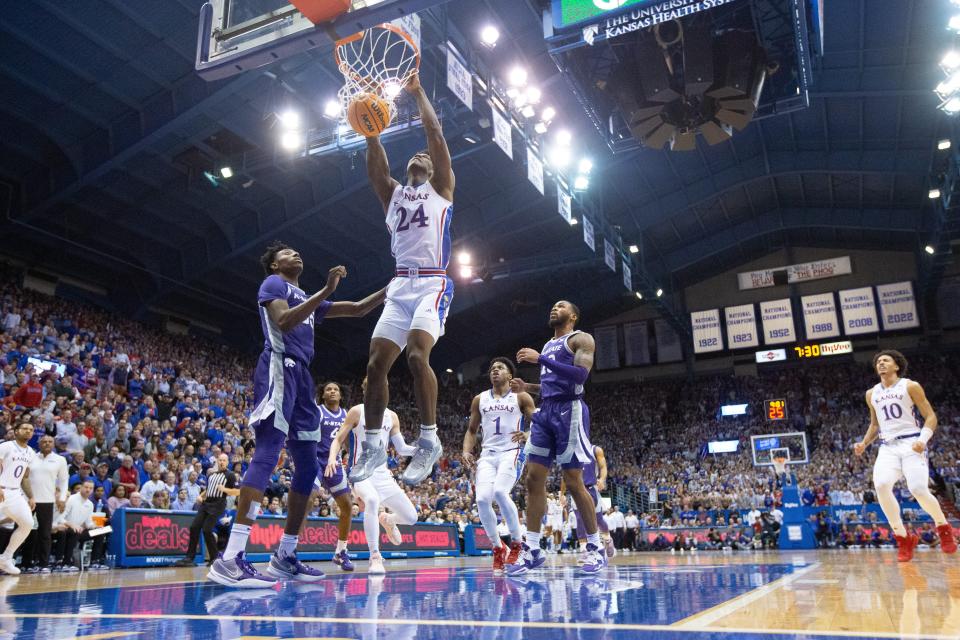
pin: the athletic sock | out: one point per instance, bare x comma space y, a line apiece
237, 542
341, 546
371, 437
594, 539
428, 432
533, 540
288, 545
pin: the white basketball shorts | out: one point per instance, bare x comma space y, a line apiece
415, 303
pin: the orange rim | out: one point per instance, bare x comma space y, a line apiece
359, 34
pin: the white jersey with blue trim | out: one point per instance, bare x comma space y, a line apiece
419, 222
357, 436
500, 420
896, 412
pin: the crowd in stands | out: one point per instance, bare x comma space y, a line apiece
140, 416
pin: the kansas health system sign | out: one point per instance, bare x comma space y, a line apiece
617, 17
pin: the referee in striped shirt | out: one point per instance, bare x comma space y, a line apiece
220, 484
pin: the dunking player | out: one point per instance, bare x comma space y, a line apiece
285, 410
499, 412
16, 497
895, 403
418, 217
332, 417
380, 489
561, 432
595, 480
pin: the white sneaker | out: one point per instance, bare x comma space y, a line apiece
389, 523
376, 565
7, 566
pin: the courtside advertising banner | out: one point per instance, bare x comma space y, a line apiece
742, 326
858, 311
777, 319
154, 538
820, 316
707, 335
898, 306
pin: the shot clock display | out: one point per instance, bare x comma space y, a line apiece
776, 409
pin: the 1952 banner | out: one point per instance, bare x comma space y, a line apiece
820, 316
858, 311
148, 538
777, 319
707, 336
741, 326
898, 306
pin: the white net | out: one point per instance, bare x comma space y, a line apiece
379, 60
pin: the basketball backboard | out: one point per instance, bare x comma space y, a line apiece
237, 35
792, 446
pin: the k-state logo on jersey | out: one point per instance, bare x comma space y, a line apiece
289, 362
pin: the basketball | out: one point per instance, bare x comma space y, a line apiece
368, 114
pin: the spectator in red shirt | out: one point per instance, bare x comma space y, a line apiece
30, 395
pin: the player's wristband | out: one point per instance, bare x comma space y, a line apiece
925, 434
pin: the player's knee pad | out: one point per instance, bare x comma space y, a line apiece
306, 466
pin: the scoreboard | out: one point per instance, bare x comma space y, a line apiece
775, 409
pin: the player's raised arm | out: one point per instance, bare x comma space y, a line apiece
359, 308
378, 171
287, 317
872, 430
470, 437
443, 180
919, 398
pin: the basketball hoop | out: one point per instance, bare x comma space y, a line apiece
377, 61
780, 465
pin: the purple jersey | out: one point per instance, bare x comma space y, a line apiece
330, 424
552, 385
298, 342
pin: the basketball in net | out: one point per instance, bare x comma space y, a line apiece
375, 64
368, 114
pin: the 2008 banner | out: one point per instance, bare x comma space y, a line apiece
150, 538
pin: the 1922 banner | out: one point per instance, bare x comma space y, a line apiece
707, 336
777, 319
820, 316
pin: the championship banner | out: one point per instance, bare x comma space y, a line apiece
608, 347
777, 319
144, 537
609, 255
636, 339
459, 79
804, 272
535, 169
564, 204
588, 234
706, 331
741, 326
858, 311
502, 132
898, 306
669, 348
627, 275
820, 316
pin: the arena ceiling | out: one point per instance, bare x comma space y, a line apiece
106, 129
